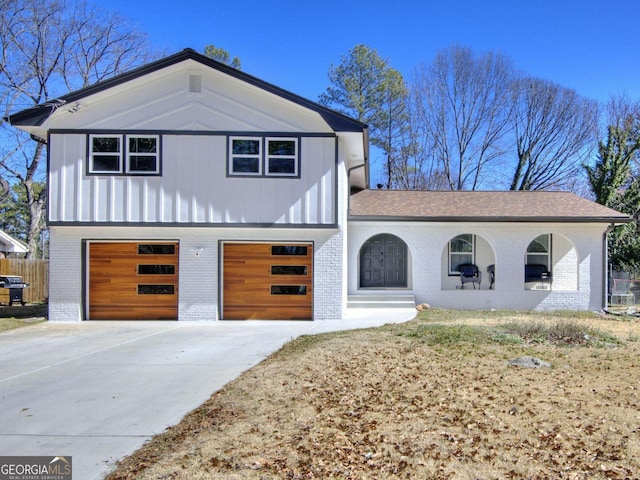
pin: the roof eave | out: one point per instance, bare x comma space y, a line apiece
456, 219
36, 116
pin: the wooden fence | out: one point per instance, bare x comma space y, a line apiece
35, 272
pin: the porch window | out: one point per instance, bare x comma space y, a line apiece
537, 271
539, 251
461, 251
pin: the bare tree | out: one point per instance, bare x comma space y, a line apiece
414, 165
48, 48
464, 107
102, 44
553, 129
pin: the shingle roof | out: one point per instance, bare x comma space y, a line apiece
479, 206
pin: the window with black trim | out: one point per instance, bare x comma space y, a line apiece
282, 158
245, 156
264, 156
142, 154
539, 251
105, 154
124, 154
461, 251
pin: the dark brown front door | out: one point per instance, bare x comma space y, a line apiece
383, 262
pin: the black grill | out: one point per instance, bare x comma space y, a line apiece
15, 285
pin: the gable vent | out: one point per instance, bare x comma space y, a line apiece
195, 83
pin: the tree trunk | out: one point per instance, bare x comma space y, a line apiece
35, 202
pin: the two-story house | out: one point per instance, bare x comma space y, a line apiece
189, 190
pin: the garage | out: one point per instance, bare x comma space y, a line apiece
132, 280
267, 281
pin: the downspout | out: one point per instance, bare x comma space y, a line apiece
605, 266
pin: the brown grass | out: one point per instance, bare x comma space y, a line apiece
432, 399
10, 323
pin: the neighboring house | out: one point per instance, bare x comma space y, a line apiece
10, 246
189, 190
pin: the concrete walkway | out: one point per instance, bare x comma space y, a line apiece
96, 391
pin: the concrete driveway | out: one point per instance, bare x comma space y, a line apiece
96, 391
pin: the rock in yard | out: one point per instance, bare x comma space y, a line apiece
529, 362
423, 306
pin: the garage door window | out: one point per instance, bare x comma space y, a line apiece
288, 270
297, 250
156, 249
156, 290
156, 269
288, 289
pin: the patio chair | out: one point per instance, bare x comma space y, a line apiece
491, 270
470, 273
534, 272
620, 289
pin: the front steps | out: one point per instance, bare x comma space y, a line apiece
381, 301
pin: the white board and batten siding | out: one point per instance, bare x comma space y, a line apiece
194, 187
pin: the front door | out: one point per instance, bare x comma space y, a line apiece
383, 262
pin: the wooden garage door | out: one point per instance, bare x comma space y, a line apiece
133, 281
267, 281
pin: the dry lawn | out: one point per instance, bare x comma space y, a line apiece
431, 399
21, 315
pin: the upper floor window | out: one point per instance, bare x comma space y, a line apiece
124, 154
105, 154
246, 156
282, 158
263, 156
142, 154
461, 251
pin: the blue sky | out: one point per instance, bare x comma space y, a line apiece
592, 46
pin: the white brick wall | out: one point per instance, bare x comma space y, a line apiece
65, 276
199, 266
427, 242
336, 265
